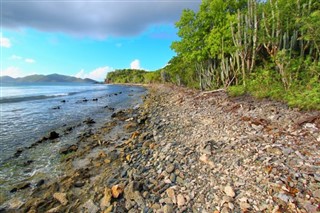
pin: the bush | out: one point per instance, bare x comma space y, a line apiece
236, 90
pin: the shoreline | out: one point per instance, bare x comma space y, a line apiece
185, 151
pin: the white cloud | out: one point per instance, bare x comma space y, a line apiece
4, 42
135, 64
29, 60
15, 57
12, 71
98, 74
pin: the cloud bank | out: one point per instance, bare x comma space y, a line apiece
98, 19
98, 74
4, 42
13, 72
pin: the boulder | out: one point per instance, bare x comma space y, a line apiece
53, 135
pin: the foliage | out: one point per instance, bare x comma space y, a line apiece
133, 76
269, 49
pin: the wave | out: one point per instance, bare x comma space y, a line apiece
40, 97
31, 98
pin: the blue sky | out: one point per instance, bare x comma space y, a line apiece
107, 36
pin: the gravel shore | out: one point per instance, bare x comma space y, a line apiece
190, 151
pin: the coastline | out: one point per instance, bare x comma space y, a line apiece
185, 151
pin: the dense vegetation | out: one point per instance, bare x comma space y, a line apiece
133, 76
265, 48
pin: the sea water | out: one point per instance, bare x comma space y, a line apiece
30, 111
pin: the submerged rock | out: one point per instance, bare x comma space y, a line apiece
53, 135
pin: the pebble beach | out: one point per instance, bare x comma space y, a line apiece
184, 150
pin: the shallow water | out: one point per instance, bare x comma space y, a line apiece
27, 114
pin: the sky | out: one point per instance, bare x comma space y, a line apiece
88, 38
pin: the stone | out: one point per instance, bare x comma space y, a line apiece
171, 194
156, 206
244, 206
53, 135
170, 168
224, 210
90, 206
172, 177
116, 191
89, 121
311, 208
105, 201
108, 210
79, 184
229, 191
204, 158
68, 149
131, 192
54, 210
168, 209
180, 200
316, 193
61, 197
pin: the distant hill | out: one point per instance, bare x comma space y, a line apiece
46, 79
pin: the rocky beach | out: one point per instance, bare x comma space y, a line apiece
184, 150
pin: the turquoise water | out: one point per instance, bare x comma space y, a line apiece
29, 112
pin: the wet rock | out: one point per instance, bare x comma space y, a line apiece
95, 99
63, 101
18, 152
118, 114
53, 135
40, 182
28, 162
68, 149
56, 107
21, 186
89, 121
61, 197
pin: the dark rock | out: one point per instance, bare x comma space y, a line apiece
18, 152
63, 101
27, 163
40, 182
84, 100
95, 99
89, 121
20, 187
68, 149
53, 135
118, 114
79, 184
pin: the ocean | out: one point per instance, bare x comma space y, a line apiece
29, 112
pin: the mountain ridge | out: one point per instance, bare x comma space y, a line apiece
52, 78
